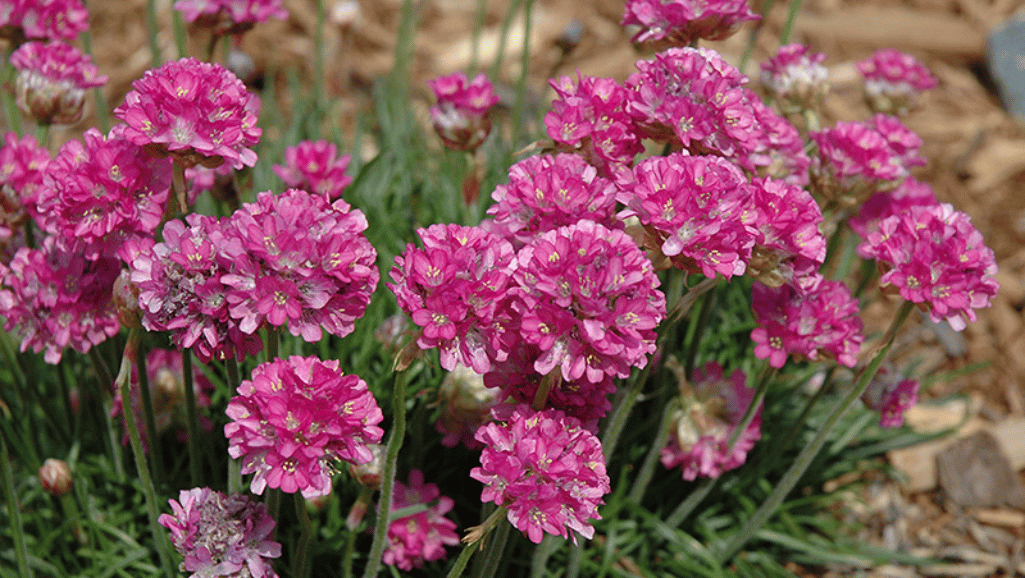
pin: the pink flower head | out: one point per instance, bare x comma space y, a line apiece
165, 377
788, 243
222, 535
589, 117
589, 299
910, 193
461, 115
692, 208
933, 256
52, 79
101, 191
465, 405
796, 76
22, 162
682, 22
297, 259
453, 289
778, 152
546, 470
180, 287
818, 319
547, 192
218, 181
315, 166
413, 540
295, 418
230, 16
200, 113
42, 20
892, 396
59, 299
893, 80
710, 411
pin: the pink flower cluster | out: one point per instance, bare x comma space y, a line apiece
894, 80
795, 76
892, 396
422, 537
911, 193
709, 415
200, 113
788, 244
819, 319
452, 288
230, 16
461, 115
52, 79
101, 191
295, 418
546, 470
682, 22
42, 19
315, 166
222, 535
22, 162
590, 118
933, 256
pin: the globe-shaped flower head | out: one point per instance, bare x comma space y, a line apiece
52, 79
22, 20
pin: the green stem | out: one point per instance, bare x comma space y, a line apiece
519, 107
543, 551
795, 7
273, 501
191, 422
696, 328
547, 383
398, 432
301, 564
102, 111
478, 23
462, 561
617, 422
648, 469
791, 435
687, 506
12, 114
273, 343
181, 40
752, 36
147, 414
319, 97
576, 556
124, 381
503, 38
13, 511
804, 459
151, 29
495, 549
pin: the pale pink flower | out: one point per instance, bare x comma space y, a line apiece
230, 16
316, 167
795, 76
892, 395
894, 80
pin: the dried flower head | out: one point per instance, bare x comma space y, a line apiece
465, 404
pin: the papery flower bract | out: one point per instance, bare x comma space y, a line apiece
295, 418
298, 259
894, 80
934, 257
588, 298
230, 16
795, 76
816, 319
52, 80
452, 288
546, 470
422, 537
547, 192
460, 116
892, 395
465, 405
222, 535
681, 22
42, 20
692, 209
200, 113
711, 410
788, 243
101, 191
316, 167
22, 162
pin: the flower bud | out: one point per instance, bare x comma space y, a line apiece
465, 406
55, 475
369, 474
126, 301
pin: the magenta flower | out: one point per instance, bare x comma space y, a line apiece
892, 396
589, 117
101, 191
933, 256
222, 535
295, 418
22, 162
42, 20
894, 80
692, 208
546, 470
818, 319
589, 299
59, 299
298, 260
461, 115
547, 192
218, 181
453, 289
413, 540
795, 76
52, 80
682, 22
197, 112
911, 193
316, 167
230, 16
788, 244
710, 411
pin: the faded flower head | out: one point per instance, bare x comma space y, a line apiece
316, 167
711, 408
682, 22
222, 535
796, 77
197, 112
230, 16
42, 20
422, 537
295, 419
546, 470
461, 115
52, 80
894, 80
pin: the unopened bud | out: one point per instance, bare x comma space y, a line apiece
369, 474
126, 301
55, 475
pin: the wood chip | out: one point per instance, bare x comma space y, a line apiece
1000, 517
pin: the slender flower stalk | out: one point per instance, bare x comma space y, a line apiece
195, 450
301, 564
148, 415
13, 511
